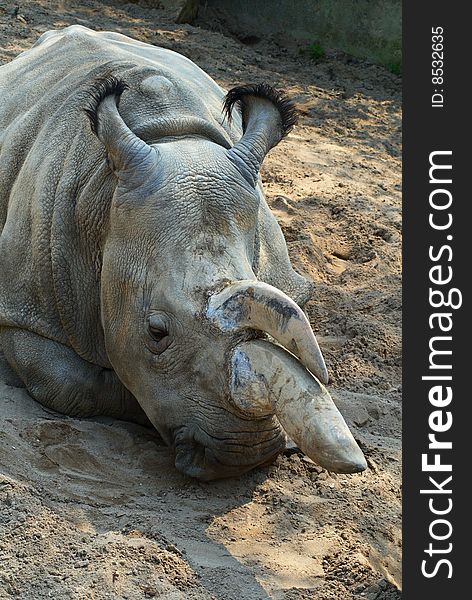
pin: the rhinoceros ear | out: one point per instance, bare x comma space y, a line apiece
268, 116
126, 151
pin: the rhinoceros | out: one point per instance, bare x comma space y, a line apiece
142, 273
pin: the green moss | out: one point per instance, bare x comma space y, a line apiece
315, 51
394, 67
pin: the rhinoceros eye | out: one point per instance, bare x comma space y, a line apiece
159, 334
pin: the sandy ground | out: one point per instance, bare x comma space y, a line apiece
95, 508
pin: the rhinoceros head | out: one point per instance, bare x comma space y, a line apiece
222, 364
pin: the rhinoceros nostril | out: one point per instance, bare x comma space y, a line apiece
192, 459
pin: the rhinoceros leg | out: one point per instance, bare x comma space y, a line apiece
7, 374
58, 378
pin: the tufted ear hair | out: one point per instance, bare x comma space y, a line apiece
126, 151
268, 116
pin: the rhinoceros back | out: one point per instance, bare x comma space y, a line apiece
55, 186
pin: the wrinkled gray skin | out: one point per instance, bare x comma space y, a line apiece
95, 248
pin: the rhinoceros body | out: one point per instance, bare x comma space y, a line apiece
139, 258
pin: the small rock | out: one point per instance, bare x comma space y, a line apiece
372, 592
283, 203
362, 417
173, 549
374, 412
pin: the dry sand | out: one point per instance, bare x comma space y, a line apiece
95, 508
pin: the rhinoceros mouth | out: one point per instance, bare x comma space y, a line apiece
203, 456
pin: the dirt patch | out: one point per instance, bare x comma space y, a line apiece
95, 509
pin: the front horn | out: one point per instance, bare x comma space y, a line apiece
266, 379
258, 305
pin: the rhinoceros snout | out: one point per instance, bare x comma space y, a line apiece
202, 456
